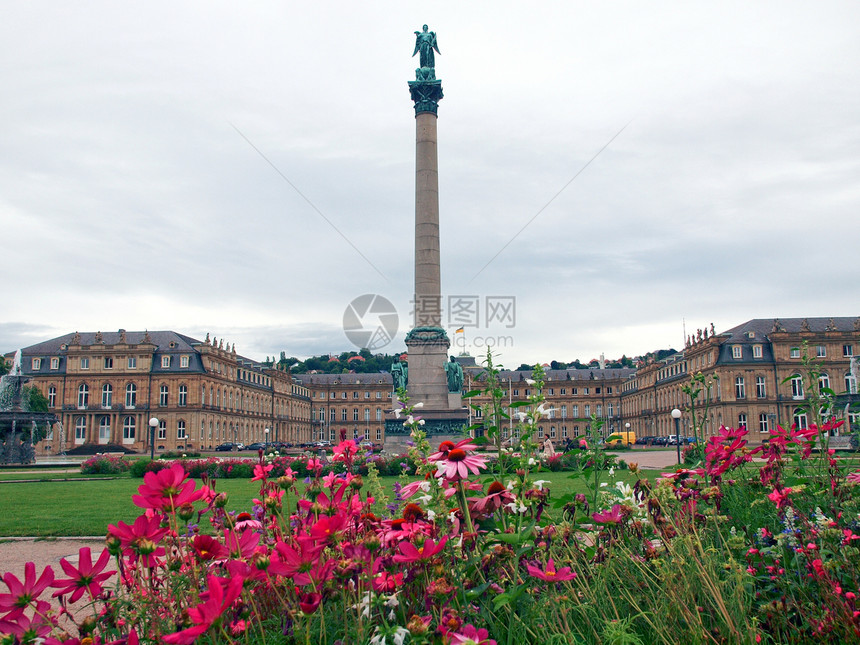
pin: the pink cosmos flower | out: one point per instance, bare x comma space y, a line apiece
779, 497
309, 602
86, 577
24, 594
551, 574
469, 635
167, 490
408, 552
387, 582
140, 540
207, 548
295, 562
261, 472
853, 478
217, 599
615, 515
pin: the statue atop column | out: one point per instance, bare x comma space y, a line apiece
399, 374
425, 43
455, 375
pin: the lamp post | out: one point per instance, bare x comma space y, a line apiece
153, 424
267, 439
676, 415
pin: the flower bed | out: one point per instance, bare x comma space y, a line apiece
719, 553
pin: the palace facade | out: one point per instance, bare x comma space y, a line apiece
105, 388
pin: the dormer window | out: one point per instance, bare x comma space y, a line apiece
737, 351
165, 362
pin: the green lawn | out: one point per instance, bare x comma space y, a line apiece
71, 508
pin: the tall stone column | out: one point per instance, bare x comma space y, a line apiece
427, 343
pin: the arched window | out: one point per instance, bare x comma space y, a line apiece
163, 396
107, 395
80, 429
162, 430
850, 383
800, 419
183, 395
104, 429
52, 397
128, 428
130, 397
180, 429
83, 396
797, 386
824, 382
740, 388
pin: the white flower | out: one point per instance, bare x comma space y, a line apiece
425, 486
521, 416
612, 471
540, 482
392, 601
431, 514
516, 507
420, 404
532, 462
410, 420
511, 484
397, 412
420, 422
400, 635
423, 499
602, 484
530, 381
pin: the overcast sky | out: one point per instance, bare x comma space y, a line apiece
247, 169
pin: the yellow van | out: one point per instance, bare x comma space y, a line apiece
621, 439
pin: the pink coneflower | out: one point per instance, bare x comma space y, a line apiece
245, 520
497, 496
551, 574
447, 446
409, 553
458, 464
469, 635
86, 577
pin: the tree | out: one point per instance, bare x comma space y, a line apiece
35, 400
4, 366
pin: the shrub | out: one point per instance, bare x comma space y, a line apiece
105, 465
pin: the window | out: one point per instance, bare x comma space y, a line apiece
564, 432
574, 410
847, 350
55, 363
165, 362
379, 395
132, 362
821, 351
379, 434
737, 352
355, 414
163, 395
333, 414
180, 429
609, 410
757, 351
343, 395
540, 432
823, 382
85, 363
343, 415
83, 396
332, 395
162, 430
552, 432
563, 391
588, 410
130, 395
355, 395
108, 362
585, 390
367, 414
740, 388
36, 363
794, 352
797, 386
52, 397
563, 411
850, 383
184, 361
516, 392
107, 395
800, 420
742, 420
128, 429
104, 429
183, 395
80, 429
763, 423
760, 388
599, 411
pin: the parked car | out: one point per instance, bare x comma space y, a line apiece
660, 441
257, 445
227, 447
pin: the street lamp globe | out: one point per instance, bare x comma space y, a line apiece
153, 424
676, 414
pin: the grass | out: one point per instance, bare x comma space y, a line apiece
53, 507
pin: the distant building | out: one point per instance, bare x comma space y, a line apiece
105, 387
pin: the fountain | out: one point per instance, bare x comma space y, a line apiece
18, 424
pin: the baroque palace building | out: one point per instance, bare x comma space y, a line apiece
106, 387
